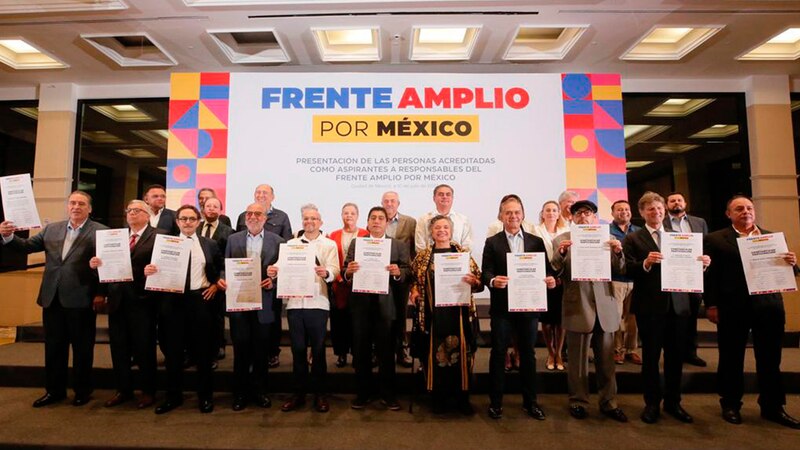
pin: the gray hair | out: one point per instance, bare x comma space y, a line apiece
438, 218
650, 197
308, 206
141, 204
566, 194
350, 204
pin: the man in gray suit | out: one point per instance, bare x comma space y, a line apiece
400, 227
68, 297
678, 221
591, 317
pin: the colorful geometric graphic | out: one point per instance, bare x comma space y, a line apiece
594, 140
198, 136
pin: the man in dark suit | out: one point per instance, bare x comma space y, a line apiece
68, 297
662, 317
504, 324
132, 313
678, 221
194, 308
400, 227
372, 316
278, 223
250, 329
737, 314
204, 194
212, 227
160, 216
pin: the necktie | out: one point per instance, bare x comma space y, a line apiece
189, 271
208, 230
132, 241
657, 238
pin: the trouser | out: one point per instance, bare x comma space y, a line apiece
400, 323
275, 330
521, 327
220, 319
65, 327
370, 327
308, 326
691, 327
626, 339
602, 345
250, 362
132, 332
659, 332
341, 330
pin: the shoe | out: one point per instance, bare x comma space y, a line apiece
214, 365
508, 366
534, 410
633, 358
403, 360
341, 361
695, 361
514, 360
145, 401
731, 415
221, 353
650, 414
206, 406
118, 399
263, 401
47, 399
168, 406
310, 358
615, 414
780, 417
321, 404
359, 402
391, 404
619, 358
550, 364
495, 412
560, 366
239, 403
293, 403
578, 412
274, 361
679, 413
81, 400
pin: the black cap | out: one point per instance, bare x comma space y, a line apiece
582, 204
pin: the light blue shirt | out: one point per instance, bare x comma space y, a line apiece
515, 242
72, 234
255, 244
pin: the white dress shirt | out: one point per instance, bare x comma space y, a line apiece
197, 265
327, 254
155, 218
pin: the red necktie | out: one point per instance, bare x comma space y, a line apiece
132, 242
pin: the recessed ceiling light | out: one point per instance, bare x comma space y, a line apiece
131, 49
443, 43
677, 101
669, 43
678, 107
543, 43
442, 35
676, 148
636, 164
790, 36
20, 54
361, 36
716, 131
32, 112
250, 46
795, 105
18, 46
781, 47
101, 137
666, 35
124, 108
635, 134
348, 44
136, 153
123, 115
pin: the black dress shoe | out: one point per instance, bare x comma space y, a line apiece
391, 404
239, 403
731, 415
679, 413
321, 404
534, 410
615, 414
360, 402
781, 418
47, 399
650, 414
206, 406
341, 361
495, 412
168, 406
293, 403
118, 399
263, 401
695, 361
578, 412
80, 400
465, 407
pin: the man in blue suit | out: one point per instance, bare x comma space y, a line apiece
250, 329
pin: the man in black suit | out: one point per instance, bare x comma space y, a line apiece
662, 317
132, 313
68, 297
522, 326
679, 221
204, 194
278, 223
250, 329
737, 314
194, 308
373, 315
214, 228
160, 216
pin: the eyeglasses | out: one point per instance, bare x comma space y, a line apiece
188, 219
134, 211
254, 213
583, 212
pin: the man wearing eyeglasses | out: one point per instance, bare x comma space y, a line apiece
132, 313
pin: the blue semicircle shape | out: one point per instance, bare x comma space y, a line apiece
204, 143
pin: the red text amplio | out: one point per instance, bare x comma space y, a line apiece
459, 97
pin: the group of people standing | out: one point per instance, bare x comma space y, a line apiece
607, 317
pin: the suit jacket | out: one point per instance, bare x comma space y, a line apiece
386, 303
697, 224
237, 248
220, 235
168, 222
647, 296
277, 222
214, 262
341, 289
226, 220
141, 255
725, 284
70, 278
586, 301
406, 225
494, 264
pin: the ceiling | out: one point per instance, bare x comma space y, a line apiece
181, 30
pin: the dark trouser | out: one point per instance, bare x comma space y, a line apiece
178, 311
665, 332
64, 327
521, 327
220, 318
341, 330
132, 332
691, 327
400, 323
308, 326
371, 327
276, 330
250, 365
768, 329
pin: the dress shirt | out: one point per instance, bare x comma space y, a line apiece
391, 225
72, 234
657, 239
213, 230
155, 218
138, 233
255, 244
755, 232
327, 254
515, 241
617, 232
680, 224
197, 265
462, 231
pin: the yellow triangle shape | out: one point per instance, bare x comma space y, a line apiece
208, 121
176, 149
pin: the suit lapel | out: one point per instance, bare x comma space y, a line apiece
143, 237
85, 230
